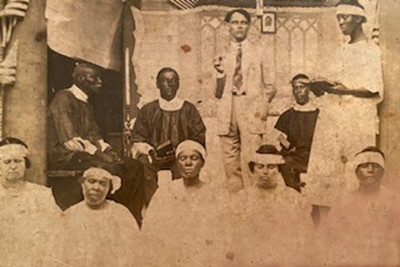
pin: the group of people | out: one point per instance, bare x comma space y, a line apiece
324, 175
190, 224
332, 119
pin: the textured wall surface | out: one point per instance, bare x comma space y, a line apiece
25, 103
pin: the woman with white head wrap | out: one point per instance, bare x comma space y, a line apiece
185, 217
360, 227
269, 192
99, 232
274, 219
348, 119
370, 168
190, 158
27, 211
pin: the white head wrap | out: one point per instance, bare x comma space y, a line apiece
14, 149
268, 159
369, 157
190, 144
99, 172
344, 9
302, 80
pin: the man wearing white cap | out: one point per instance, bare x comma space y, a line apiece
348, 118
359, 229
98, 232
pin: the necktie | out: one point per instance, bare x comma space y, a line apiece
238, 76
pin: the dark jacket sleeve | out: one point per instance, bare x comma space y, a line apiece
197, 129
62, 114
283, 122
141, 131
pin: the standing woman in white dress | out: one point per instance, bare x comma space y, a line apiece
348, 119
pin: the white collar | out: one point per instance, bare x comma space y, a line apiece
175, 104
78, 93
305, 108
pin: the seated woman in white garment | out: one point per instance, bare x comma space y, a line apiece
361, 228
189, 190
27, 210
273, 220
97, 231
185, 217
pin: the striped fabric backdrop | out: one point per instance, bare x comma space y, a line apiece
184, 4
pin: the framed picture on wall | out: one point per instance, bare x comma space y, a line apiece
268, 22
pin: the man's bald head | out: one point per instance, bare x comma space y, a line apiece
87, 77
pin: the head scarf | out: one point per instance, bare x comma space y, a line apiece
189, 144
270, 157
369, 157
346, 9
14, 149
99, 172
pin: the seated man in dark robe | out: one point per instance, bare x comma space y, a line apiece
160, 126
296, 126
75, 143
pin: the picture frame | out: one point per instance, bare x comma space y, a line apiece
268, 22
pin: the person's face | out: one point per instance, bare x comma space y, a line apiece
168, 84
189, 163
301, 92
348, 23
95, 190
12, 168
90, 80
266, 175
369, 173
238, 27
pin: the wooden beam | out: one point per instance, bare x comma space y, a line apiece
389, 40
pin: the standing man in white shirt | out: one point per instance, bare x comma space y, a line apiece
244, 95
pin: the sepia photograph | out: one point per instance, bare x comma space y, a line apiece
268, 22
199, 133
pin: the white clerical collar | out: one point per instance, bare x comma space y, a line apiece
242, 44
304, 108
173, 105
78, 93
